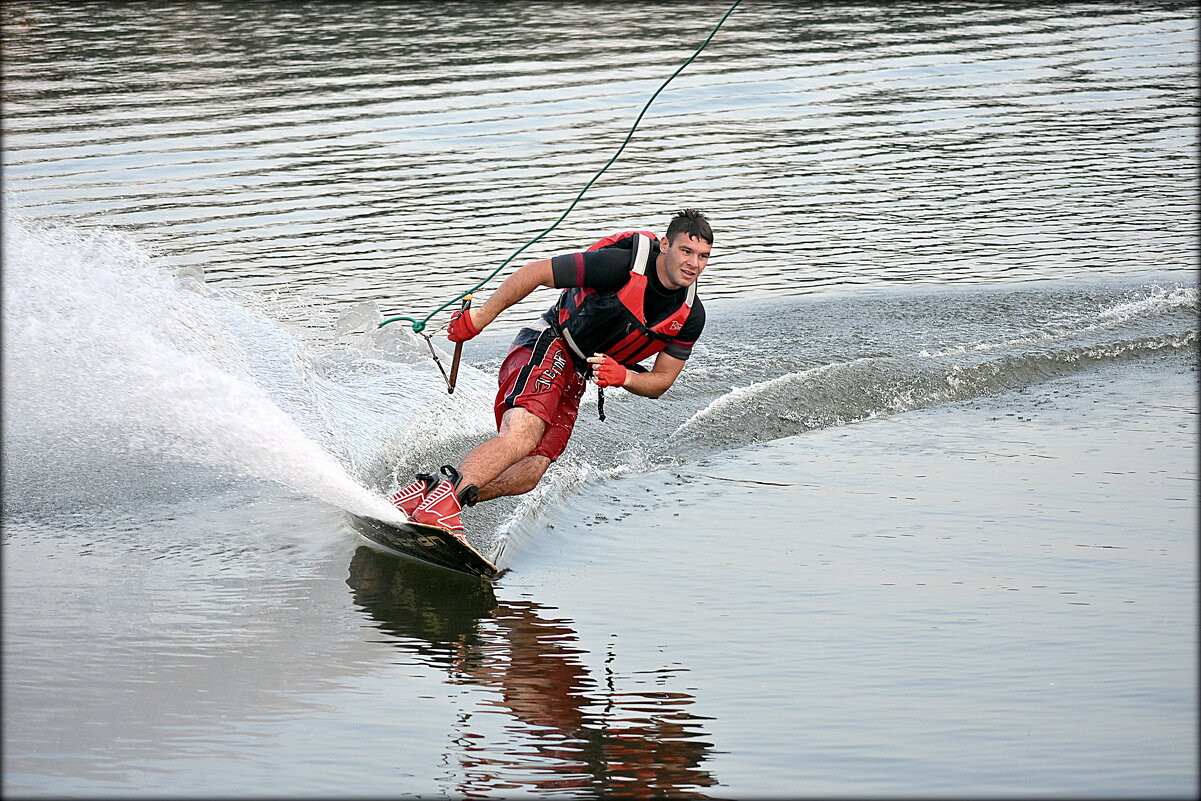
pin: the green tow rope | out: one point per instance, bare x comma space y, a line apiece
419, 325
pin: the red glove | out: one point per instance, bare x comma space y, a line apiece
607, 372
461, 328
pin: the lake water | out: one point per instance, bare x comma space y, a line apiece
918, 519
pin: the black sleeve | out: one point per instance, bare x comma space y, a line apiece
681, 346
605, 270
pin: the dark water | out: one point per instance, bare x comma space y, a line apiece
405, 150
918, 518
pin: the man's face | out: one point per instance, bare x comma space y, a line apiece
683, 260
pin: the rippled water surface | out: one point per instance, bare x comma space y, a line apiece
917, 519
404, 150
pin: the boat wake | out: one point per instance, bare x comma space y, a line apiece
839, 393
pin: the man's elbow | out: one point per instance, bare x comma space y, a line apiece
539, 273
656, 391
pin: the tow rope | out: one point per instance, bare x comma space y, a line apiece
419, 325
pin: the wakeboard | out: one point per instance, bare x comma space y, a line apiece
429, 544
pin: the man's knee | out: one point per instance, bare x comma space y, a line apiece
530, 472
519, 479
527, 473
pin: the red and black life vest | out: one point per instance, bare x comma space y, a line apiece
615, 322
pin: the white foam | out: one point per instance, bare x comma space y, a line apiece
1157, 301
107, 356
738, 396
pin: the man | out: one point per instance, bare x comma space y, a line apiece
621, 303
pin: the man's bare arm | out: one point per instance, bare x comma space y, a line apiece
660, 378
514, 289
651, 384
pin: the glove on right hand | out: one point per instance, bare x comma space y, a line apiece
461, 328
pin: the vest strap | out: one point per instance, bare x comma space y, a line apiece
563, 332
642, 254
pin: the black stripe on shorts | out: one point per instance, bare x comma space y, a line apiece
540, 348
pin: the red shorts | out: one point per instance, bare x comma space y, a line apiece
542, 380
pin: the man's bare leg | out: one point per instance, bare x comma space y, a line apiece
520, 432
517, 480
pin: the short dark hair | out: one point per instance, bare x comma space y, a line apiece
691, 222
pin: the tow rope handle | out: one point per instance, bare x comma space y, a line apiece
454, 364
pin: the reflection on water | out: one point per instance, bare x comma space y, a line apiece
576, 732
362, 154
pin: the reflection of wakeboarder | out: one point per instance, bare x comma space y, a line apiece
644, 744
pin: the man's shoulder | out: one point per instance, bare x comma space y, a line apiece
624, 240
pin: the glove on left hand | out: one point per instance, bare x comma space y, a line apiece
606, 371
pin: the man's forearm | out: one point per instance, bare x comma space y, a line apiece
660, 378
648, 385
513, 290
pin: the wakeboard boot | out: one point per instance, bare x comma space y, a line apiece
409, 498
443, 506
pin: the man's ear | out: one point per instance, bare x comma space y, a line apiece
663, 243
